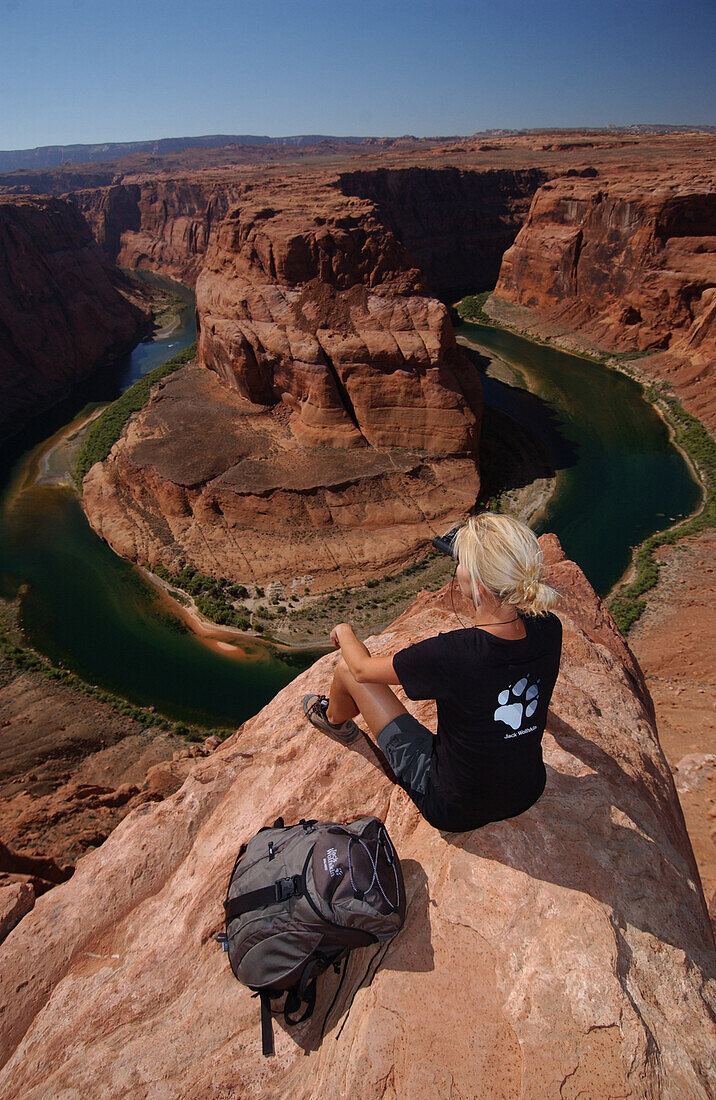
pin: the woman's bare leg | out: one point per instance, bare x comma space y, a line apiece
375, 702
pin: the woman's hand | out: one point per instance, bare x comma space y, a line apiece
339, 632
365, 669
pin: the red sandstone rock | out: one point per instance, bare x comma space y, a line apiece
160, 224
254, 503
566, 952
309, 304
629, 263
343, 435
675, 642
454, 222
42, 867
70, 769
63, 308
15, 902
314, 303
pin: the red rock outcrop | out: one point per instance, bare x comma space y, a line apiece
204, 476
63, 308
337, 429
674, 642
314, 303
455, 223
630, 264
566, 952
71, 767
42, 867
16, 901
161, 224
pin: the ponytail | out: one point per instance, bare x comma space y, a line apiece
534, 598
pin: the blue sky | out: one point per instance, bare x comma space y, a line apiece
122, 70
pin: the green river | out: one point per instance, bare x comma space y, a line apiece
619, 480
619, 477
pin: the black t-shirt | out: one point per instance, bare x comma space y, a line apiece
492, 697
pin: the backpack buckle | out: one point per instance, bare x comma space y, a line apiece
288, 887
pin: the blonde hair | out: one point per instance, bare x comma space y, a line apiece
503, 555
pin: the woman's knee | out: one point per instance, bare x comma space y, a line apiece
343, 672
344, 679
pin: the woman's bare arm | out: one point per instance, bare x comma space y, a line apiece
366, 669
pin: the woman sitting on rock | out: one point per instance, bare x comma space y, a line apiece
492, 683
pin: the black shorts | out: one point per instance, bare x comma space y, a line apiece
408, 748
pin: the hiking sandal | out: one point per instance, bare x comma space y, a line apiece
314, 707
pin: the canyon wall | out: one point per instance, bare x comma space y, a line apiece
203, 477
456, 224
161, 224
566, 952
335, 429
63, 307
629, 263
57, 181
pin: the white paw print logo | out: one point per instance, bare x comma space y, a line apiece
513, 706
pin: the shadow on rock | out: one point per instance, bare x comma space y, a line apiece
617, 851
521, 438
410, 951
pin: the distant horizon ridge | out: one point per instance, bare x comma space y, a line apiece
54, 156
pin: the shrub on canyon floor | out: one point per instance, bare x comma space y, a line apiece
218, 612
472, 308
212, 597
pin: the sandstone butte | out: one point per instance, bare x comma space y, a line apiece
336, 427
565, 953
64, 307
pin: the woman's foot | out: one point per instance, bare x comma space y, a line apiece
315, 706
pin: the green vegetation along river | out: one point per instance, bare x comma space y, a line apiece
619, 479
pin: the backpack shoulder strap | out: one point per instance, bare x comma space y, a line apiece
294, 1000
266, 1026
304, 992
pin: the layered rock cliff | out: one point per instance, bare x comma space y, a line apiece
564, 953
630, 264
314, 303
63, 307
335, 429
161, 224
456, 224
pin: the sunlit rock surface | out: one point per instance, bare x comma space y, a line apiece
630, 263
566, 952
335, 431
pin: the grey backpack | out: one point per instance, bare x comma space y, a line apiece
299, 899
